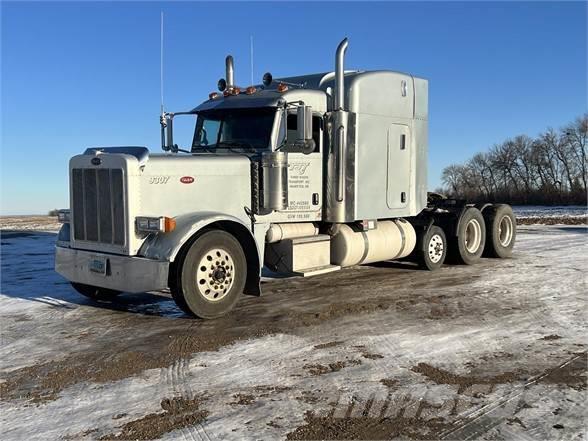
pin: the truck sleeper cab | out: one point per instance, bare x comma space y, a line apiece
303, 175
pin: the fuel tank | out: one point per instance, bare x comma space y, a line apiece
392, 239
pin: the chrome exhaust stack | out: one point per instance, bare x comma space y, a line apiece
339, 196
339, 74
230, 71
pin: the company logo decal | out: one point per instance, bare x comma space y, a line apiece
186, 179
96, 161
299, 167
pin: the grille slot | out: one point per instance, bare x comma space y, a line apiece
98, 205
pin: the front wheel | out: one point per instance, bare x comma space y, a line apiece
211, 276
94, 292
431, 249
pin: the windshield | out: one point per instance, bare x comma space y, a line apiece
234, 128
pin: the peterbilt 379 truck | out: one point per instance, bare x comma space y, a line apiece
303, 175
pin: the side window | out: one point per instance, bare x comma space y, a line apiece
316, 132
206, 133
292, 126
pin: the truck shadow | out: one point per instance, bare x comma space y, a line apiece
28, 274
395, 264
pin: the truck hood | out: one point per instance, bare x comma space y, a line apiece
171, 185
110, 187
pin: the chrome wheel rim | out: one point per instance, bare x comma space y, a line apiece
215, 275
435, 248
505, 230
473, 236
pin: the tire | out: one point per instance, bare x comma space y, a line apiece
431, 248
468, 246
501, 231
206, 287
95, 292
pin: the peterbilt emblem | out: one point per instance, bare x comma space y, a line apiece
96, 161
186, 179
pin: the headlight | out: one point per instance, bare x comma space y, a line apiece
63, 216
155, 224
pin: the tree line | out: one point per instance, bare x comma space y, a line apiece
550, 169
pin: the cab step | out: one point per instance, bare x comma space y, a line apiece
309, 272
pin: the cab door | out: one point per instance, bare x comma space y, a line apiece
305, 178
305, 175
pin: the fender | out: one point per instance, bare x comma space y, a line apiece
167, 246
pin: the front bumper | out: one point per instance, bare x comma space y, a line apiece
123, 273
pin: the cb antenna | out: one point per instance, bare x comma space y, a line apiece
251, 57
162, 117
161, 62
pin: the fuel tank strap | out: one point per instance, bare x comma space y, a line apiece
402, 238
366, 246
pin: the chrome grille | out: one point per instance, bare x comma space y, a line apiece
98, 205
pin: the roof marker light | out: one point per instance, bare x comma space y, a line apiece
233, 90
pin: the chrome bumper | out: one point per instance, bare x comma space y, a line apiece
122, 273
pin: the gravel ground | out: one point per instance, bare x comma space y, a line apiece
492, 351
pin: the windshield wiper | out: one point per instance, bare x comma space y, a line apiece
206, 148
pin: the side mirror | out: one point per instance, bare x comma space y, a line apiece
304, 129
304, 123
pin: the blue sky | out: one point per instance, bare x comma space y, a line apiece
87, 74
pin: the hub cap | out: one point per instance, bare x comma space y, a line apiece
473, 236
215, 275
435, 248
505, 229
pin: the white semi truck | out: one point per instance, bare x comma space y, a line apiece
303, 175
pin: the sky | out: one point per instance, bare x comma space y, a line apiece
80, 74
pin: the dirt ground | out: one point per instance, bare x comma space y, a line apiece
492, 351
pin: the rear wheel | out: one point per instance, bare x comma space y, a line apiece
95, 292
431, 248
211, 276
500, 231
468, 246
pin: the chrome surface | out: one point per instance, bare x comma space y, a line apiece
128, 274
341, 169
230, 71
275, 180
98, 213
339, 74
435, 248
339, 159
215, 275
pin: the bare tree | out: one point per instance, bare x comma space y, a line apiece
577, 136
552, 168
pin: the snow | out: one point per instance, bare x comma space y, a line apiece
539, 211
506, 307
29, 223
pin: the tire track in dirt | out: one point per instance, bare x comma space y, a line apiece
176, 377
479, 421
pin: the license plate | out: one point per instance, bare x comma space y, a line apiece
98, 265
